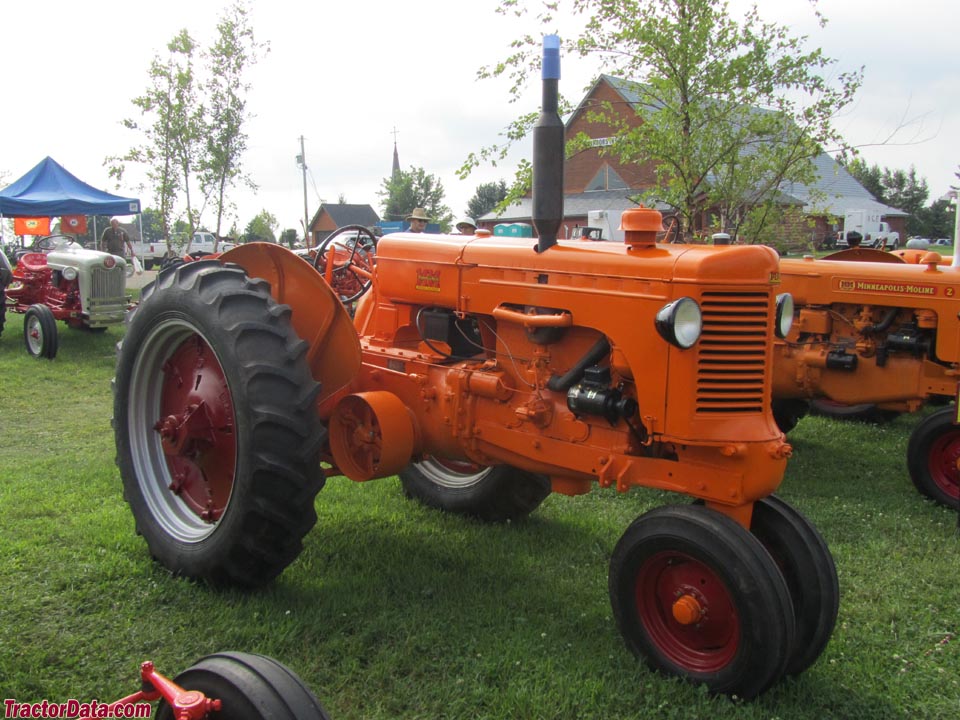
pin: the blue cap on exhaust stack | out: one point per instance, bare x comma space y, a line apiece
551, 57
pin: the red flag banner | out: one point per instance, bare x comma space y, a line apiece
73, 224
31, 226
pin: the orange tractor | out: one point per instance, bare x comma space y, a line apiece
883, 330
488, 372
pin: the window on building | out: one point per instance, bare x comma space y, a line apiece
606, 179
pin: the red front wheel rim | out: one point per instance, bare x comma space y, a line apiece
943, 463
687, 611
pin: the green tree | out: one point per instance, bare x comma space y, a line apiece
936, 220
901, 189
870, 176
262, 228
231, 55
162, 112
730, 110
486, 197
402, 192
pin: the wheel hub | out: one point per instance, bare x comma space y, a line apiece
196, 429
687, 610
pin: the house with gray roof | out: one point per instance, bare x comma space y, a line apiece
330, 216
596, 182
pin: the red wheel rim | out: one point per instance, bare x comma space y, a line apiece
671, 585
943, 459
196, 426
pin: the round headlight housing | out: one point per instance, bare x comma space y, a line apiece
784, 319
69, 273
680, 322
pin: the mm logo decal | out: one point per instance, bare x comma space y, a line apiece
428, 280
774, 277
891, 288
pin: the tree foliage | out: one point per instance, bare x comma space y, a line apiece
486, 197
192, 118
730, 109
262, 228
403, 191
230, 56
900, 189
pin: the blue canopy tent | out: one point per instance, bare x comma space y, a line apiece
48, 190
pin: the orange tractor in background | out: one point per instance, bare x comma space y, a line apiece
488, 372
881, 329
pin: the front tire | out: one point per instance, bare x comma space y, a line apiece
40, 332
494, 494
217, 435
250, 687
933, 453
696, 595
807, 565
787, 413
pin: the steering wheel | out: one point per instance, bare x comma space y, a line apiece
345, 258
673, 228
52, 242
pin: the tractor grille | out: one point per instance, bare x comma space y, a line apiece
107, 283
732, 352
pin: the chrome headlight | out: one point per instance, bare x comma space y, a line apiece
680, 322
784, 315
69, 273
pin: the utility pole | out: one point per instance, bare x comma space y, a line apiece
302, 163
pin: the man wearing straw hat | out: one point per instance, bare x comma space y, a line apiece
418, 220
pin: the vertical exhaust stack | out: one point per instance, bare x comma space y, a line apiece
548, 152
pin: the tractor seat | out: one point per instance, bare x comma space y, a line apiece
33, 262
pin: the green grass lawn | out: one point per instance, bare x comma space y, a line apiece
393, 611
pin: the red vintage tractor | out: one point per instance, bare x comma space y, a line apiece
58, 279
880, 330
488, 372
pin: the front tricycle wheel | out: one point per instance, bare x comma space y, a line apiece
216, 430
696, 595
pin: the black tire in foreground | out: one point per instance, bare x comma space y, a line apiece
250, 687
217, 435
494, 494
40, 332
696, 595
933, 454
807, 565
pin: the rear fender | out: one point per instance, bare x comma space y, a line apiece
318, 315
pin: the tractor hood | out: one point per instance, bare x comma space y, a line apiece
82, 258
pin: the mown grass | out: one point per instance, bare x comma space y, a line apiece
393, 611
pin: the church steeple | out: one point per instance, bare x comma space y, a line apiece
396, 156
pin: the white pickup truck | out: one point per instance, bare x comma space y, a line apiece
154, 253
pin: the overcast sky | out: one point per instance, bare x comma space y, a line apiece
345, 74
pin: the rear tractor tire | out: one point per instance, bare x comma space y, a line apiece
218, 440
696, 595
249, 687
495, 494
40, 332
862, 412
933, 457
